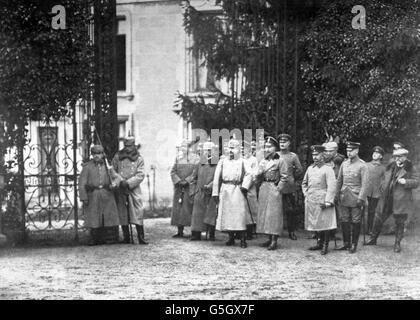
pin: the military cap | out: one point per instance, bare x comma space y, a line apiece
129, 141
378, 149
317, 148
272, 141
353, 145
400, 152
284, 137
97, 149
208, 145
401, 145
330, 146
233, 143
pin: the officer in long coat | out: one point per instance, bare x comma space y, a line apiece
273, 173
251, 164
352, 185
231, 179
319, 187
129, 169
294, 172
204, 209
396, 196
182, 175
376, 171
95, 191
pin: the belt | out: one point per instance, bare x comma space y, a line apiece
106, 187
232, 182
269, 180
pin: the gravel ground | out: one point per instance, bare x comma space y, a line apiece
180, 269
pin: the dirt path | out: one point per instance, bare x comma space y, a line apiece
179, 269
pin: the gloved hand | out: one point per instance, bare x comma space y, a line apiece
360, 203
216, 199
244, 190
124, 184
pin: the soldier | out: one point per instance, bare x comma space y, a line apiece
295, 172
229, 191
319, 187
376, 170
334, 160
272, 170
204, 209
129, 168
352, 186
98, 199
182, 175
251, 164
396, 196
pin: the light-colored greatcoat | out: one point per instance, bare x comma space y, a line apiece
319, 186
204, 209
251, 164
133, 173
183, 170
101, 210
233, 210
274, 174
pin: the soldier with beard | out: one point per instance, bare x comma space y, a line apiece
129, 171
204, 209
396, 196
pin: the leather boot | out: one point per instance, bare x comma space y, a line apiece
399, 233
212, 230
292, 235
243, 240
180, 233
126, 234
195, 236
93, 241
267, 243
355, 237
231, 241
345, 226
376, 230
273, 244
325, 242
249, 229
140, 234
319, 242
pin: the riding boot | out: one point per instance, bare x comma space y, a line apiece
268, 242
273, 244
249, 229
376, 230
319, 242
399, 233
126, 234
325, 242
345, 226
180, 233
212, 230
355, 237
243, 240
231, 241
140, 234
93, 241
195, 236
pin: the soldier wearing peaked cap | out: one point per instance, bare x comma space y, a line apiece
319, 187
230, 187
182, 175
352, 184
128, 166
95, 191
396, 196
294, 172
376, 171
272, 171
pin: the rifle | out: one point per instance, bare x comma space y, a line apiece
130, 228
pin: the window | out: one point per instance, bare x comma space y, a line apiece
121, 55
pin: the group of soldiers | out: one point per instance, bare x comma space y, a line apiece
111, 193
240, 195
